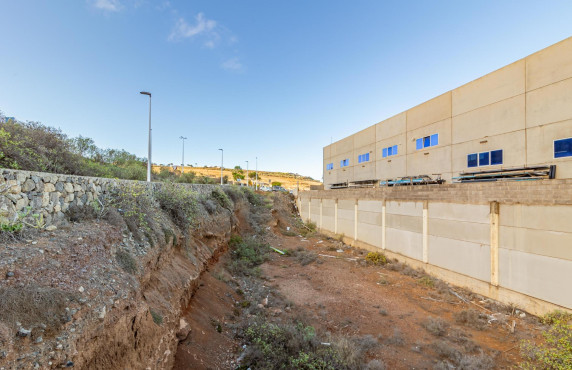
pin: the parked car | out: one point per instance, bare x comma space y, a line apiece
265, 188
278, 188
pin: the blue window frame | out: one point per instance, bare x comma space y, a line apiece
427, 141
496, 157
472, 160
484, 159
389, 151
363, 158
330, 166
344, 162
563, 148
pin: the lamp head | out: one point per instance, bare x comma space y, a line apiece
145, 93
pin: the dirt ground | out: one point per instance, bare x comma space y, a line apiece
416, 322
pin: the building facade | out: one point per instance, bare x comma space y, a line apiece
517, 116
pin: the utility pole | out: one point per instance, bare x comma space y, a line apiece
256, 186
183, 163
246, 173
149, 143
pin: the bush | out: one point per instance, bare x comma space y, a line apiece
222, 199
556, 351
126, 261
134, 202
376, 258
247, 255
436, 326
472, 318
179, 202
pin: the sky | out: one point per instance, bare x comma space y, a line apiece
273, 80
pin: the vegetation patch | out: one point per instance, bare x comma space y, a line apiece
471, 318
247, 255
179, 202
436, 326
126, 261
376, 258
157, 317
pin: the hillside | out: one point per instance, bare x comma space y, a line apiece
288, 180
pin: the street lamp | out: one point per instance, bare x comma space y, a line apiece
149, 145
183, 163
256, 186
221, 163
246, 173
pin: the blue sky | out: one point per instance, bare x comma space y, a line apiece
273, 79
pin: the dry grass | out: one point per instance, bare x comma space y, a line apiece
34, 307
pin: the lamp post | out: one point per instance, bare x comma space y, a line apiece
256, 186
221, 163
149, 144
246, 173
183, 163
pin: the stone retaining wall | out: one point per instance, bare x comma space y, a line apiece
50, 195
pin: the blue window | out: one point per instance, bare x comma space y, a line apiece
563, 148
427, 141
472, 160
384, 152
496, 157
394, 150
330, 166
484, 159
363, 158
344, 162
389, 151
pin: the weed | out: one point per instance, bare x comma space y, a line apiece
216, 325
247, 255
179, 202
471, 318
556, 350
208, 204
126, 261
221, 198
436, 326
427, 281
305, 258
397, 339
157, 317
383, 312
134, 202
376, 258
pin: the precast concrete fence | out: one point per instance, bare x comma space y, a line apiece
510, 241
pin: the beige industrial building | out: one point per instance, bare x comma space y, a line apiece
516, 117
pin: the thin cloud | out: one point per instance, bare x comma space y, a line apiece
202, 26
108, 5
232, 64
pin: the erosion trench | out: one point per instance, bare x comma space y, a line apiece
247, 285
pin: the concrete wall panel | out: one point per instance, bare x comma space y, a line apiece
549, 217
328, 223
370, 234
409, 223
393, 126
370, 218
460, 231
475, 213
407, 243
493, 119
434, 110
404, 208
472, 259
399, 140
501, 84
549, 65
546, 243
370, 205
543, 277
390, 168
364, 137
540, 142
342, 146
552, 103
346, 227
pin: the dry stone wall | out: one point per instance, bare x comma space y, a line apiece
51, 195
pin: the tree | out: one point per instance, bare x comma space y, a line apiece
276, 183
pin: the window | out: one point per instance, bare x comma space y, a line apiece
389, 151
344, 162
563, 148
494, 157
363, 158
472, 160
330, 166
427, 141
484, 159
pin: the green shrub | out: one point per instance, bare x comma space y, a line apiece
179, 202
247, 255
134, 202
556, 350
222, 199
376, 258
157, 317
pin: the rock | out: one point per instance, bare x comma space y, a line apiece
10, 274
60, 187
51, 228
22, 203
15, 188
39, 340
49, 188
81, 289
184, 330
21, 177
45, 199
68, 187
522, 315
69, 364
23, 332
102, 313
28, 185
69, 198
